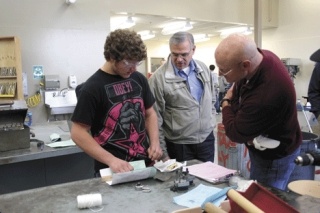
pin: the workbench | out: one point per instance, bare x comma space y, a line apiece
50, 179
43, 166
120, 198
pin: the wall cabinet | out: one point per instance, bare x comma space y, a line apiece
10, 69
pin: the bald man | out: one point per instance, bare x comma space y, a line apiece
259, 110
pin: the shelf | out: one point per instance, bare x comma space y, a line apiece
8, 77
10, 58
8, 88
7, 96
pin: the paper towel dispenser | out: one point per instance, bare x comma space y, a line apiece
51, 82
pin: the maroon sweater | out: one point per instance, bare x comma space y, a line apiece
265, 106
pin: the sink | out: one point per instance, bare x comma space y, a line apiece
58, 103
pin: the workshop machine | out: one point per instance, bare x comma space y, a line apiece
13, 133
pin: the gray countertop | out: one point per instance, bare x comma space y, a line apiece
42, 132
117, 198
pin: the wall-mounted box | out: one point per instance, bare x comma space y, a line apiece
51, 82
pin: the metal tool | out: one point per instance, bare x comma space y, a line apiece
40, 143
140, 187
309, 158
305, 115
183, 180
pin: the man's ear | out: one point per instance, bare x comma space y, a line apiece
246, 64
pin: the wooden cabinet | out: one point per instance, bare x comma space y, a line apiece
10, 69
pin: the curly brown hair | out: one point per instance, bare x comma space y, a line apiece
124, 44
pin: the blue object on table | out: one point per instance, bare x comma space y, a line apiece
200, 195
215, 197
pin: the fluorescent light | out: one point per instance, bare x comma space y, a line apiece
127, 23
71, 1
121, 23
246, 30
201, 38
179, 26
146, 34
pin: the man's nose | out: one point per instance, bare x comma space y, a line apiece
179, 58
133, 68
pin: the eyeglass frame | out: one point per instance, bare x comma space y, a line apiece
131, 64
230, 70
182, 55
224, 74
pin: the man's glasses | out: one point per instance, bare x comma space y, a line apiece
182, 55
131, 64
229, 71
225, 73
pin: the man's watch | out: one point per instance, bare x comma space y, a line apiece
223, 100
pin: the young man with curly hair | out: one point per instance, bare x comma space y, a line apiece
114, 121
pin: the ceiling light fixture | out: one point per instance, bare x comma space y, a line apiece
71, 1
246, 30
173, 28
201, 38
129, 22
146, 34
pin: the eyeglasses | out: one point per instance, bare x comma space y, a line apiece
131, 64
225, 73
229, 71
183, 55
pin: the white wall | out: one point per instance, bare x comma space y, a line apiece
297, 36
69, 39
65, 40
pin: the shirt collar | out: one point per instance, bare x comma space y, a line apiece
192, 67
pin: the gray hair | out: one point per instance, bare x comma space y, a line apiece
180, 37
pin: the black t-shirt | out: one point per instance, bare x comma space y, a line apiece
115, 107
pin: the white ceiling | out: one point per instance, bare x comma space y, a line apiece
155, 23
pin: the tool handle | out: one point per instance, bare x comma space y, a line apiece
211, 208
